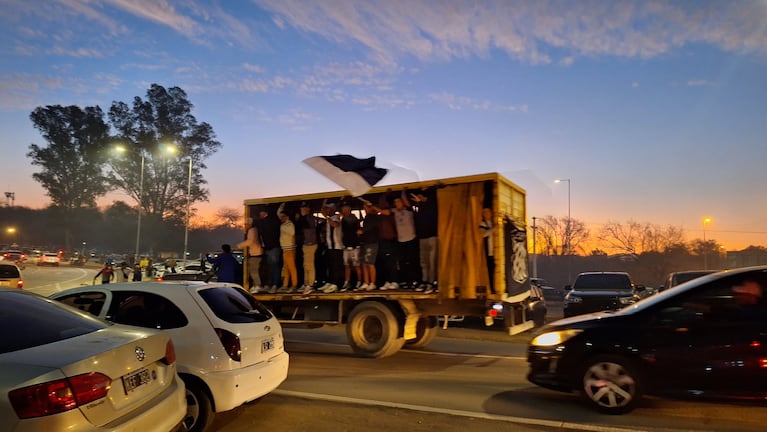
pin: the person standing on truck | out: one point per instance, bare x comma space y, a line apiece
426, 221
288, 245
407, 243
254, 252
269, 229
488, 227
335, 249
369, 235
350, 224
387, 246
307, 225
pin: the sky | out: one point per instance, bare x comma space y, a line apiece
655, 111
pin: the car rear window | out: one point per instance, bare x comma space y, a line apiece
603, 282
29, 320
9, 271
234, 305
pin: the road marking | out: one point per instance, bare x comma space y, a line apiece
57, 285
472, 414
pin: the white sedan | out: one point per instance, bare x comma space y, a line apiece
230, 347
61, 369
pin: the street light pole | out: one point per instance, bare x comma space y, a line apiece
705, 248
535, 252
188, 204
140, 202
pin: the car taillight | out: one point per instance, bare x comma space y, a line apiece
20, 284
231, 343
60, 395
170, 353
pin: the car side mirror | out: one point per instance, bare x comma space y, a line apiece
568, 287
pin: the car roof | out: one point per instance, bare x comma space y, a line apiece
603, 272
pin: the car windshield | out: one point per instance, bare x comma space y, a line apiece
602, 281
38, 321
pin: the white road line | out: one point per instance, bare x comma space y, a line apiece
518, 420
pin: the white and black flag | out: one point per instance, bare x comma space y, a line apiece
357, 176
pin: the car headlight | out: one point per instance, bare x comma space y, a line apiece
554, 338
573, 299
626, 300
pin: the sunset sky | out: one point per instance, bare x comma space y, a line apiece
656, 111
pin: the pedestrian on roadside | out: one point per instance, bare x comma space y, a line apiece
225, 265
107, 274
137, 273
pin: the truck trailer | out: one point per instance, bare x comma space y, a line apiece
379, 323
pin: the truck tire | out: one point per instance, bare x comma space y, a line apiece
426, 330
373, 330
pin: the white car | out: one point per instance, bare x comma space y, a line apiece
49, 258
230, 347
61, 369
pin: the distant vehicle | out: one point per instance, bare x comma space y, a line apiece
230, 347
15, 256
72, 371
599, 291
10, 276
49, 258
706, 338
549, 292
680, 277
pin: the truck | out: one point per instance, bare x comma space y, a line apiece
379, 323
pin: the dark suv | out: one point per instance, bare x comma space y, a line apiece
599, 291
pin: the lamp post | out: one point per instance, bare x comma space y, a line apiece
122, 149
188, 204
568, 227
535, 252
705, 247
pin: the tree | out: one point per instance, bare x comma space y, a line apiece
148, 130
229, 217
635, 238
72, 170
552, 235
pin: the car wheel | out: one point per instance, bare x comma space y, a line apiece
199, 410
611, 384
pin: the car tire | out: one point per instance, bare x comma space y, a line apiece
199, 412
611, 384
373, 330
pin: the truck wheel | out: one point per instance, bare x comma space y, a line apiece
373, 331
425, 331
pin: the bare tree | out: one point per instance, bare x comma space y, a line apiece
635, 238
552, 235
229, 217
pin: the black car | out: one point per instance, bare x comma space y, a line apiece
599, 291
705, 338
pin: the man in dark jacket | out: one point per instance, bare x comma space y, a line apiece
226, 265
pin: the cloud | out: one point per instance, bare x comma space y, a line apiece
461, 102
700, 83
532, 31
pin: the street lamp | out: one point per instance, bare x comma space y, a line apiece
705, 248
188, 203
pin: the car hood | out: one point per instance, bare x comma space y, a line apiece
582, 320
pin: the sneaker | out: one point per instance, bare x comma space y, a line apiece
362, 287
273, 289
330, 288
394, 286
345, 286
283, 289
307, 289
359, 285
420, 287
370, 287
256, 289
428, 290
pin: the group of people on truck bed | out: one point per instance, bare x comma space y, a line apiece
350, 245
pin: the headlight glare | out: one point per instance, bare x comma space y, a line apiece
554, 338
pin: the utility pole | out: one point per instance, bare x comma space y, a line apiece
535, 253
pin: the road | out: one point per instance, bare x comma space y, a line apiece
467, 378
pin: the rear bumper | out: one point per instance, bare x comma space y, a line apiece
233, 388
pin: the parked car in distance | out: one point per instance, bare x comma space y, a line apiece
599, 291
70, 371
706, 338
676, 278
49, 258
10, 275
549, 292
230, 347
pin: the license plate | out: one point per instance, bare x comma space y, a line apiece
135, 380
267, 344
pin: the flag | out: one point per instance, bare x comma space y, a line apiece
357, 176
